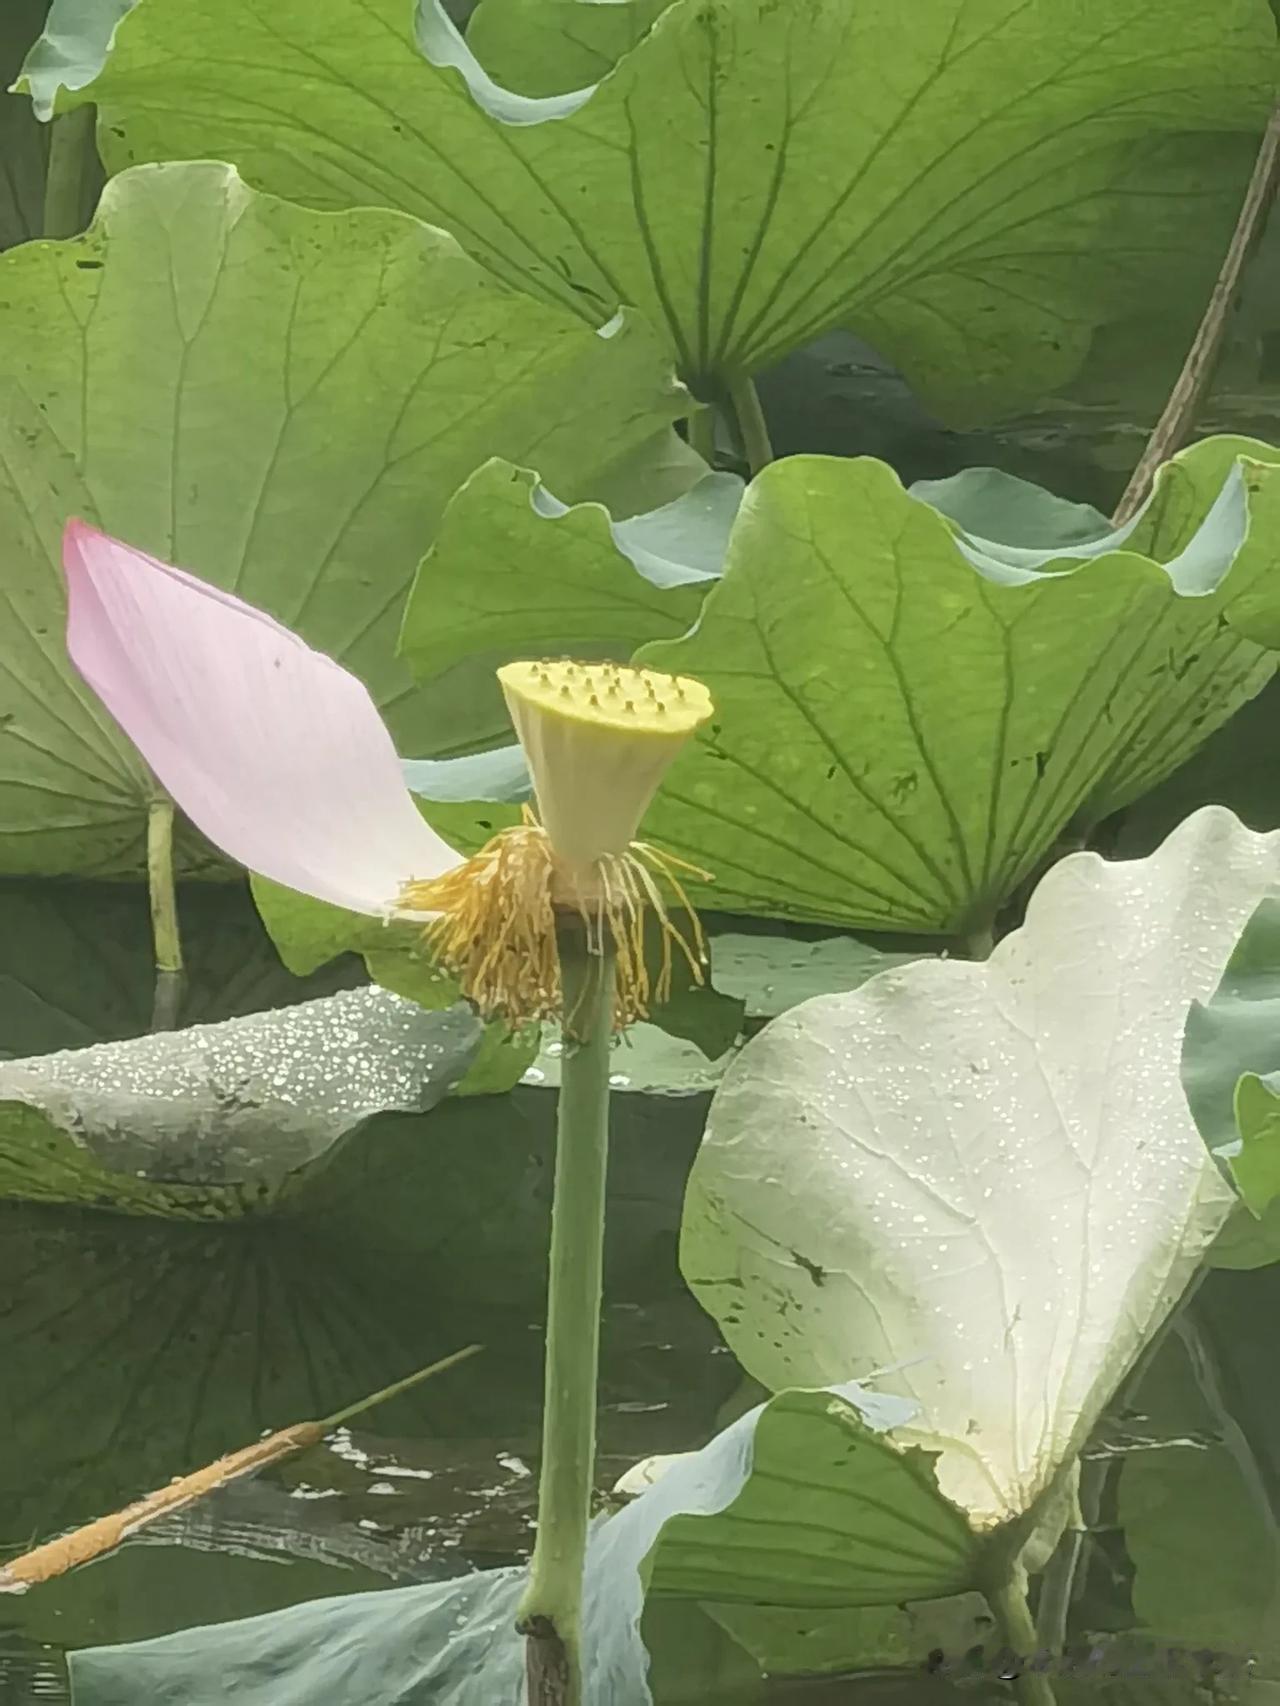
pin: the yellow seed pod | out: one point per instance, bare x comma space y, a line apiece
599, 738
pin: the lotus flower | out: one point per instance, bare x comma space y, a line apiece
278, 755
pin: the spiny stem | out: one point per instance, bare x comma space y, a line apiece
71, 142
1179, 415
551, 1611
1018, 1634
165, 931
751, 422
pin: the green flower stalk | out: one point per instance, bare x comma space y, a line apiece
598, 739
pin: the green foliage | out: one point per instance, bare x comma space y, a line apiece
871, 1190
228, 1123
513, 574
307, 479
960, 234
907, 720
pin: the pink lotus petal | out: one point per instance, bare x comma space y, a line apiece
273, 750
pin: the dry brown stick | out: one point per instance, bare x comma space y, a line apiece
1179, 415
82, 1545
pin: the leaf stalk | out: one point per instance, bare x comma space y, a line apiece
166, 932
71, 145
1179, 416
551, 1611
752, 426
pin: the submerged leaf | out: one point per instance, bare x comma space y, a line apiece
981, 162
995, 1187
801, 1503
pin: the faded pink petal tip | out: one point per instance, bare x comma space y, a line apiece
274, 751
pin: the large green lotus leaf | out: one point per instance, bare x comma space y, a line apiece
1239, 767
386, 365
922, 1123
804, 1502
545, 47
908, 717
76, 963
221, 1121
985, 158
514, 573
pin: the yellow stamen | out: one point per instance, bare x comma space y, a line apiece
496, 929
596, 763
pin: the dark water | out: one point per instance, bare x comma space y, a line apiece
133, 1350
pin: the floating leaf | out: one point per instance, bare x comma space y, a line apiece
922, 1123
982, 165
908, 718
220, 1121
308, 480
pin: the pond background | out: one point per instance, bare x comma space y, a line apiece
132, 1350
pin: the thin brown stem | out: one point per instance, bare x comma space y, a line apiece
1178, 419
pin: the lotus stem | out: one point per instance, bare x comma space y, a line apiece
1009, 1607
752, 425
70, 147
165, 931
551, 1612
1179, 416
